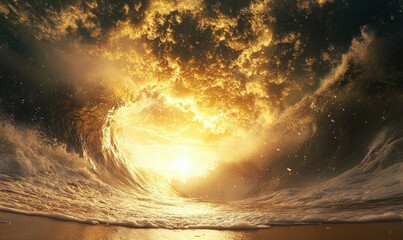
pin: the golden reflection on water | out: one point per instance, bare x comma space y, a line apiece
152, 234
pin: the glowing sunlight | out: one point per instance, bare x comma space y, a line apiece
158, 134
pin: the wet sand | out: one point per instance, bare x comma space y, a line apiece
22, 227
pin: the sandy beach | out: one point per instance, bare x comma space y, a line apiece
22, 227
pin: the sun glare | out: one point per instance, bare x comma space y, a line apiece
159, 136
181, 166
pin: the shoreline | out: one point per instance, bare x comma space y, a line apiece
16, 226
245, 227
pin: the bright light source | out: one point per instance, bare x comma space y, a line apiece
181, 166
159, 136
181, 169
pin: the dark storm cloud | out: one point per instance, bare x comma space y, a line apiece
195, 48
232, 8
108, 13
89, 21
309, 37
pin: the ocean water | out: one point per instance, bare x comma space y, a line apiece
70, 191
40, 178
